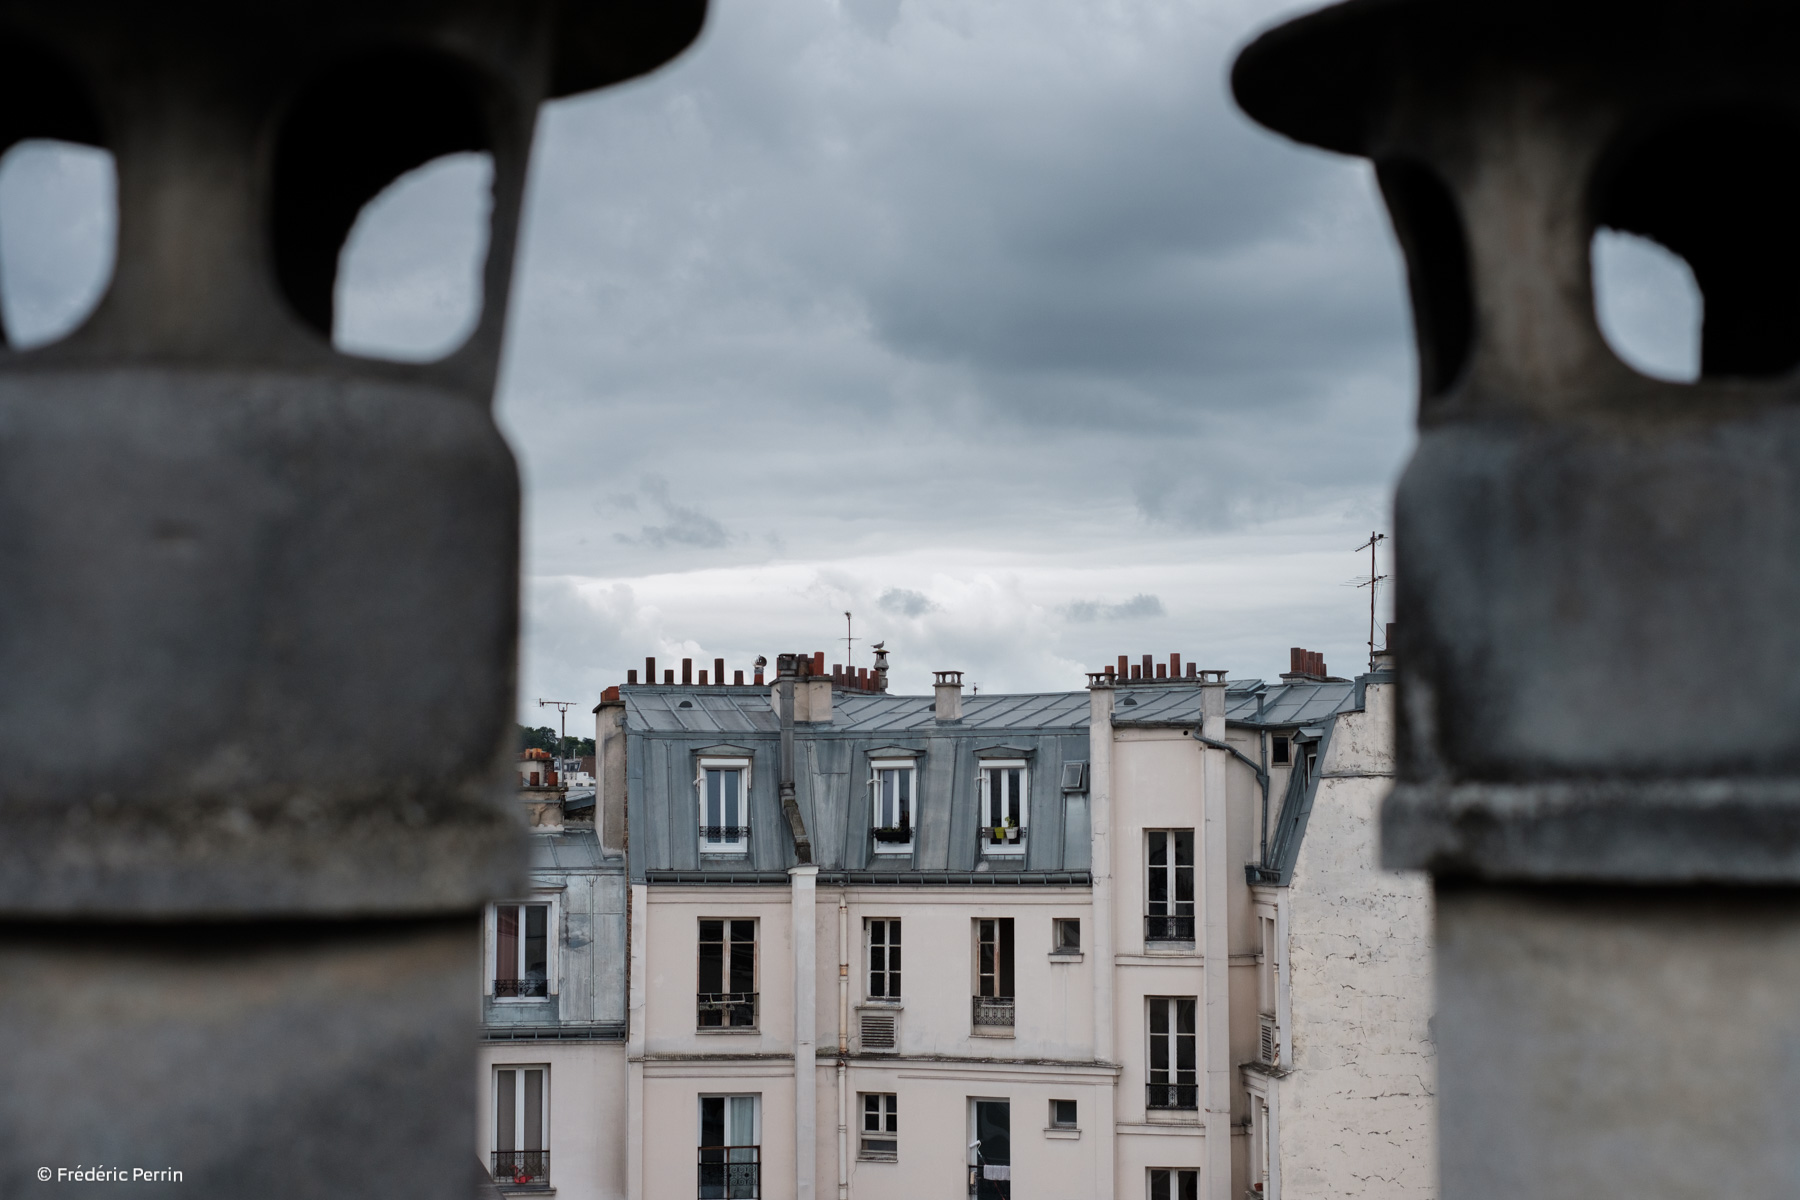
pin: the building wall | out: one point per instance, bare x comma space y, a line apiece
587, 1111
1356, 1114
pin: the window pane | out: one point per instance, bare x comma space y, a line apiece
729, 784
872, 1114
1184, 1018
506, 1111
1006, 956
712, 957
1190, 1185
1184, 847
712, 1120
1159, 1186
1159, 848
713, 814
506, 942
534, 1110
743, 961
741, 1113
537, 955
905, 778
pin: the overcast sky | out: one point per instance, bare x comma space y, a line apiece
994, 324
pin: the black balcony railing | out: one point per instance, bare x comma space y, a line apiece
1168, 929
993, 1011
894, 833
730, 1172
726, 834
1172, 1095
521, 987
522, 1168
725, 1010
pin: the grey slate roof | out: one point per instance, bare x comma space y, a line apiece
667, 727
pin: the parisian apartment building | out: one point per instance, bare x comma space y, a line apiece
802, 937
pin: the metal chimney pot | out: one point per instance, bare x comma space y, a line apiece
1598, 574
258, 601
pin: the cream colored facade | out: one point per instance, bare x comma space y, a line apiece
1114, 766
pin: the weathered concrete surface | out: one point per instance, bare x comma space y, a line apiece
1358, 1108
1610, 1042
323, 1059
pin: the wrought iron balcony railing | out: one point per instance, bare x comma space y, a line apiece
893, 833
522, 1168
730, 1172
1168, 929
521, 987
724, 834
993, 1011
725, 1010
1172, 1095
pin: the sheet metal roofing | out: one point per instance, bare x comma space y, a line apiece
727, 710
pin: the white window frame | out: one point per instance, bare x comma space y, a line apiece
756, 949
889, 970
1171, 1010
737, 845
519, 1107
888, 1114
1171, 879
1271, 904
910, 769
552, 947
1009, 848
1174, 1181
1265, 1134
755, 1099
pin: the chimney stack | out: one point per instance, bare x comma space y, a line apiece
948, 688
881, 667
687, 672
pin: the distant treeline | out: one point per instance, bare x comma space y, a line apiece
544, 738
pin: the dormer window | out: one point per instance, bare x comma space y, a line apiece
1004, 806
724, 795
893, 789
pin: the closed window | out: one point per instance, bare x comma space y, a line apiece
1174, 1081
724, 807
1169, 885
521, 950
1005, 806
727, 988
1065, 935
730, 1147
521, 1155
884, 959
880, 1126
893, 788
1174, 1184
1062, 1114
1278, 750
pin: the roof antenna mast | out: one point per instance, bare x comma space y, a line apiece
849, 654
1372, 583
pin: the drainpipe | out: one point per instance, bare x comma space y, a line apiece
1100, 753
843, 1097
1215, 947
806, 1031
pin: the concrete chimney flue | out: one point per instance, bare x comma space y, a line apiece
948, 689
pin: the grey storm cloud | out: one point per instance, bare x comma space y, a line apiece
684, 525
1141, 605
905, 602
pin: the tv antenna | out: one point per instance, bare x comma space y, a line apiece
848, 643
562, 708
1373, 582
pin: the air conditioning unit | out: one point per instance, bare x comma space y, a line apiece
1268, 1042
879, 1030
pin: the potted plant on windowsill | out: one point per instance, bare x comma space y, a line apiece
893, 833
1006, 835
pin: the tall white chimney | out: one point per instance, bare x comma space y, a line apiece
949, 695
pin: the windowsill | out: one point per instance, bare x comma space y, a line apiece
896, 852
1020, 853
1172, 1116
1067, 1132
1066, 956
710, 1032
522, 999
724, 852
992, 1031
1169, 946
880, 1158
883, 1002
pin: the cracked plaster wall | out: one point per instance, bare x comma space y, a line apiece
1357, 1113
